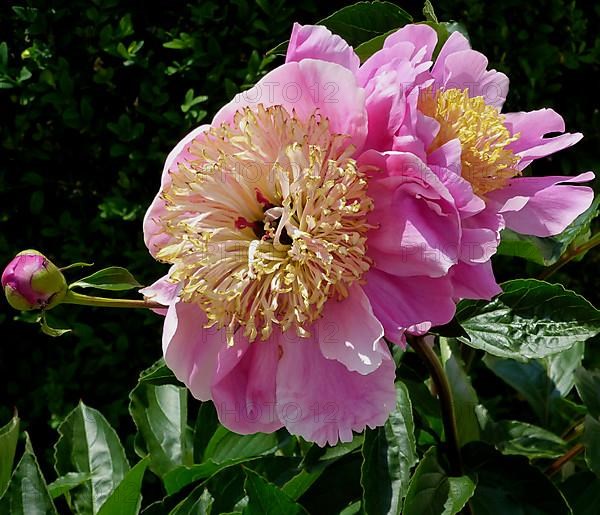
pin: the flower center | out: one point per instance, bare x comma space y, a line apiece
268, 220
486, 162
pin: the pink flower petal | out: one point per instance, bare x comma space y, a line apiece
349, 333
190, 350
154, 236
243, 388
317, 42
162, 291
532, 127
542, 206
409, 304
303, 87
421, 36
474, 281
322, 401
456, 42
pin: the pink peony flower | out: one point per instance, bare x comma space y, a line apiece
319, 210
30, 281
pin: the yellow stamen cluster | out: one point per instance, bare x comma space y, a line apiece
268, 220
486, 162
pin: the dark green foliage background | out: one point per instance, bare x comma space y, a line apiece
96, 93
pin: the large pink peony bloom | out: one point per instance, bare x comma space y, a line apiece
311, 216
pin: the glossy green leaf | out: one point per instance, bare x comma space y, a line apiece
591, 440
509, 484
265, 498
66, 483
126, 499
463, 394
207, 423
519, 438
199, 502
368, 48
223, 450
9, 435
587, 383
89, 445
160, 415
431, 491
530, 319
363, 21
113, 278
389, 453
27, 492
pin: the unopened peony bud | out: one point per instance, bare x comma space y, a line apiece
31, 281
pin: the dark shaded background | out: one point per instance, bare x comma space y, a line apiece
96, 93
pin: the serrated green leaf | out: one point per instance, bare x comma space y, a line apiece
126, 499
431, 491
160, 415
113, 278
66, 483
27, 492
9, 435
89, 445
530, 319
389, 453
265, 498
513, 437
363, 21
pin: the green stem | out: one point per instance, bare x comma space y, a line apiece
570, 255
103, 302
442, 386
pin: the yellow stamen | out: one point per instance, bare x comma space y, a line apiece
267, 221
486, 162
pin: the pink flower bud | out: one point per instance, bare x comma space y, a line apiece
31, 281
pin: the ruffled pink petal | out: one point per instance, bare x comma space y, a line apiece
467, 69
322, 401
421, 36
190, 350
542, 206
243, 388
418, 228
162, 291
154, 236
474, 281
409, 304
481, 236
532, 127
349, 333
318, 42
303, 87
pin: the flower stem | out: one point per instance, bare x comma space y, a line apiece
570, 255
556, 465
86, 300
442, 386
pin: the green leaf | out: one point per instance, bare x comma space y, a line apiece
509, 484
51, 331
431, 491
79, 264
267, 499
368, 48
207, 423
113, 278
591, 440
389, 453
561, 367
582, 491
66, 483
429, 12
27, 492
513, 437
587, 383
88, 445
365, 20
126, 499
223, 450
160, 415
463, 394
531, 319
199, 502
9, 435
